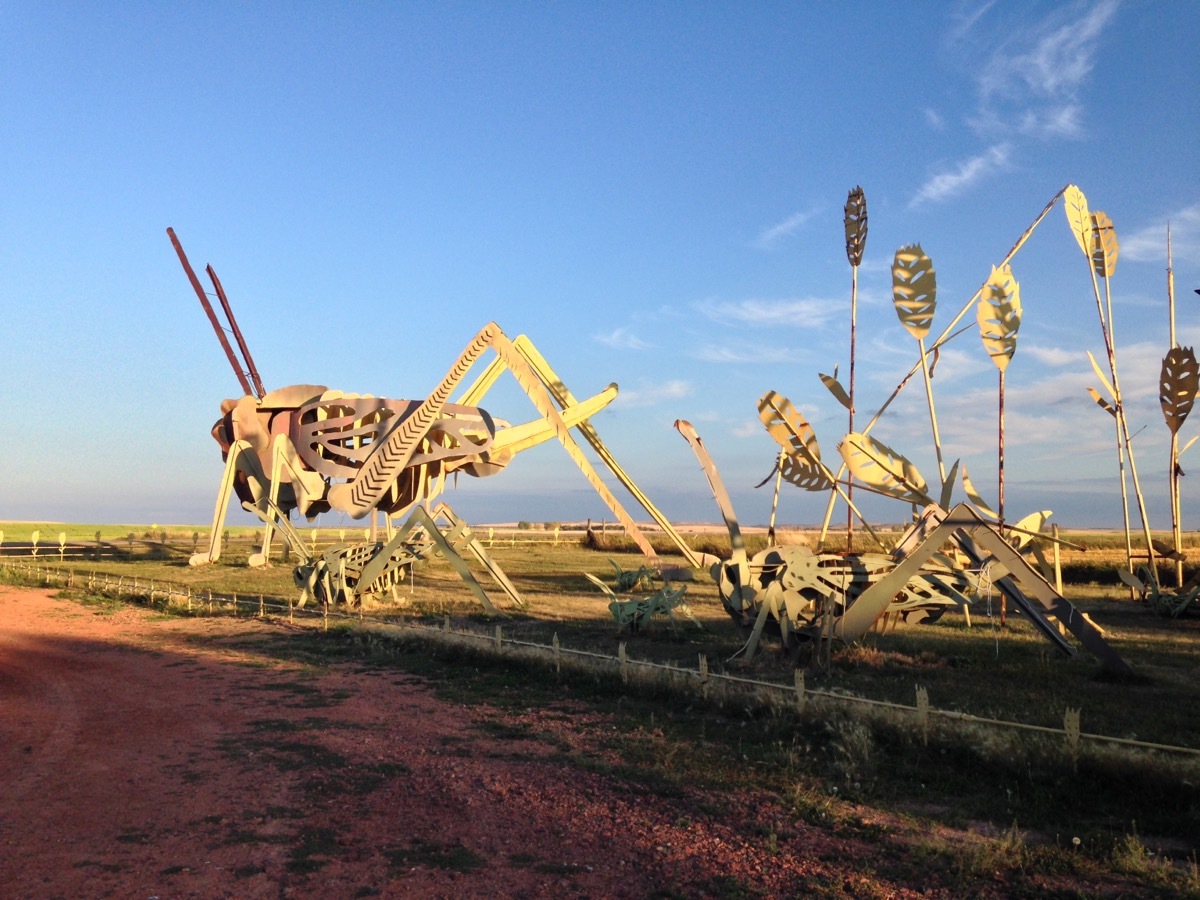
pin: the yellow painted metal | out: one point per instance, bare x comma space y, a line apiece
241, 459
1079, 218
914, 289
914, 295
1105, 246
442, 511
882, 468
801, 464
999, 316
798, 441
516, 438
984, 541
733, 577
564, 397
391, 455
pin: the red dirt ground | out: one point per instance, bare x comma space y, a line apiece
146, 756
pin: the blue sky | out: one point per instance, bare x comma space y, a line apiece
652, 192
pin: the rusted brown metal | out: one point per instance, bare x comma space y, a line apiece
237, 332
212, 316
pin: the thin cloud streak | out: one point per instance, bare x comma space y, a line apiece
787, 227
966, 20
801, 313
949, 184
742, 353
621, 339
1149, 244
653, 394
1053, 356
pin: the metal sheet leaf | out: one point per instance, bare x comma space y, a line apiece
1104, 245
1079, 218
856, 225
999, 315
914, 289
1130, 579
835, 388
883, 469
974, 496
789, 428
948, 485
1103, 378
804, 474
1032, 522
1102, 403
801, 459
1177, 385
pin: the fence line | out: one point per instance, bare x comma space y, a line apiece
123, 548
921, 711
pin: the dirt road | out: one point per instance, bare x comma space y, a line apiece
147, 756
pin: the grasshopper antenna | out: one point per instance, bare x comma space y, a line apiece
241, 371
237, 333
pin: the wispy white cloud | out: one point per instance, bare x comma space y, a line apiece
1065, 121
1062, 55
621, 339
788, 226
1053, 356
1149, 243
965, 17
742, 352
652, 394
962, 176
800, 312
1032, 79
934, 119
747, 428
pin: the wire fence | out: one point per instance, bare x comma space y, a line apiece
699, 679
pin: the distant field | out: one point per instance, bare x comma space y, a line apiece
1086, 557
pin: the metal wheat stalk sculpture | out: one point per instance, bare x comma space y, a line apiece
1097, 239
1178, 381
947, 334
999, 318
855, 221
914, 296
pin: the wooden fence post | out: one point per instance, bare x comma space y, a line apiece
1071, 731
923, 714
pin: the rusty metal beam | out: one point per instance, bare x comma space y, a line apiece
212, 316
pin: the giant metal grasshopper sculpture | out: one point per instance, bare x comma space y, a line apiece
311, 449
